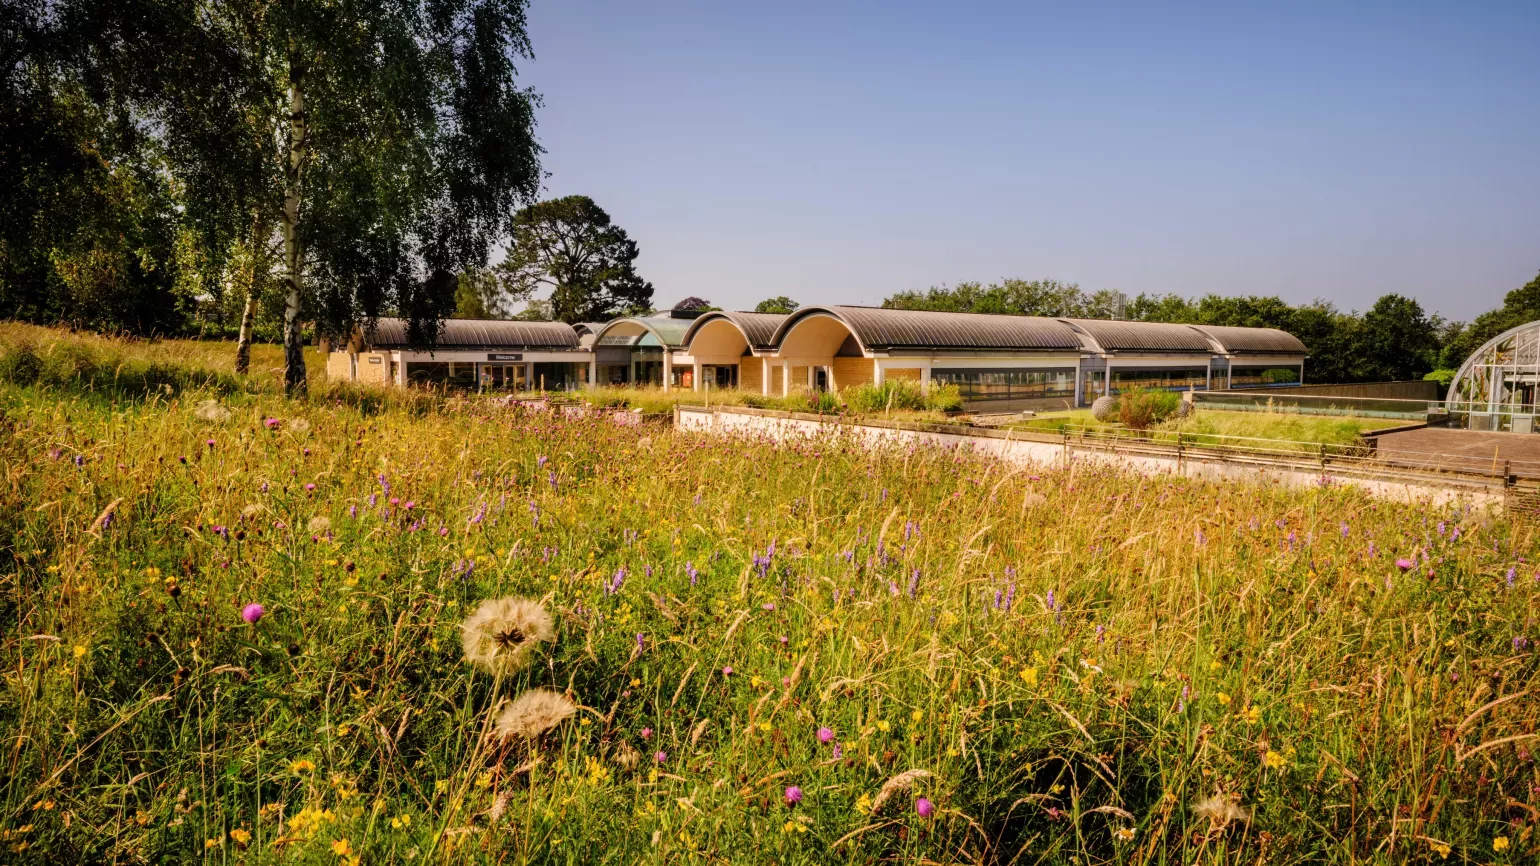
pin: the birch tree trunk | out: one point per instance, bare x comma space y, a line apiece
293, 257
249, 316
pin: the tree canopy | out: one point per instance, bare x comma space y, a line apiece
570, 247
777, 304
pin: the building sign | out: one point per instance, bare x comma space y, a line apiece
497, 357
374, 359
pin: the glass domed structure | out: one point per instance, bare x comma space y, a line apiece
1498, 385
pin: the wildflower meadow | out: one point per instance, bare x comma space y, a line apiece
245, 629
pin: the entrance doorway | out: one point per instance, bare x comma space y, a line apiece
820, 379
504, 377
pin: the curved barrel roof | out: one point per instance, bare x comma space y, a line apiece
757, 328
1259, 340
878, 328
1117, 336
391, 333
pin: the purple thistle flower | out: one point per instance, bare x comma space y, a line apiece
252, 612
660, 757
793, 795
1403, 563
826, 735
923, 808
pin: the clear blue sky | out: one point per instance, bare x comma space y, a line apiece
837, 152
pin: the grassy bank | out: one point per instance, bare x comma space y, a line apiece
1253, 429
799, 654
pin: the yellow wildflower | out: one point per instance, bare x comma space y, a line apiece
917, 715
1274, 760
1500, 844
883, 726
1441, 849
401, 821
80, 650
1252, 714
1223, 699
240, 837
864, 804
341, 848
1029, 676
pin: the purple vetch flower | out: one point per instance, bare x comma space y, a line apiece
914, 583
540, 462
689, 568
1053, 604
1520, 643
793, 795
252, 612
1181, 702
923, 808
999, 597
837, 753
481, 512
1511, 573
1010, 590
384, 485
552, 479
826, 735
641, 642
1344, 530
1441, 527
1101, 633
353, 511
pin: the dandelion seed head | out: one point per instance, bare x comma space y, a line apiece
533, 713
502, 633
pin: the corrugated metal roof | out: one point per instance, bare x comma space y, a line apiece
1263, 340
757, 328
670, 332
1117, 336
390, 333
878, 328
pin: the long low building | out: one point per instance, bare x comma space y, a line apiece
997, 362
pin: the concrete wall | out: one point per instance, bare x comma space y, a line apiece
1418, 389
1049, 451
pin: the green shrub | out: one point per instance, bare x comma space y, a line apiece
21, 365
944, 398
893, 394
1139, 408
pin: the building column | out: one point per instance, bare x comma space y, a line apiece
695, 371
764, 376
593, 372
668, 369
925, 379
877, 373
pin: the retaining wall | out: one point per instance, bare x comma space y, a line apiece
1054, 450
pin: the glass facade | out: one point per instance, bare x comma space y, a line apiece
1497, 388
1264, 377
986, 386
1182, 379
